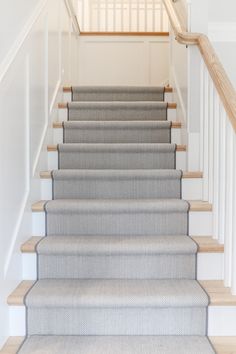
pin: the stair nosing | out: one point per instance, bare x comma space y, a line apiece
185, 175
206, 244
221, 296
195, 206
54, 148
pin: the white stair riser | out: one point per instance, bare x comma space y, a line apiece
200, 223
58, 136
168, 97
180, 160
67, 97
171, 115
191, 189
209, 266
17, 321
63, 114
221, 320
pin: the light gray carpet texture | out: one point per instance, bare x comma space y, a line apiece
117, 93
116, 271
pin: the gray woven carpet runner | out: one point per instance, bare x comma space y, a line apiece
117, 269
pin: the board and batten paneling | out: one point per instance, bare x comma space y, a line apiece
123, 60
34, 69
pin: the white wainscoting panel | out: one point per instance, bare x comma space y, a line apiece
123, 60
29, 90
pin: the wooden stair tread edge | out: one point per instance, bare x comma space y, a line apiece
64, 105
45, 174
16, 298
30, 245
186, 175
12, 345
199, 205
57, 125
192, 174
219, 294
206, 244
224, 345
174, 125
38, 206
194, 206
167, 89
51, 148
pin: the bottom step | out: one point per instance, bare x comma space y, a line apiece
116, 345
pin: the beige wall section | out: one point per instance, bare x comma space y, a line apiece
123, 60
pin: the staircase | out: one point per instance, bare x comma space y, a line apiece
116, 272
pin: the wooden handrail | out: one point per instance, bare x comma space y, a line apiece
223, 85
72, 14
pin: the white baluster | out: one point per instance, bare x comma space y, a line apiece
216, 171
145, 16
161, 16
210, 142
122, 15
106, 15
130, 15
228, 203
114, 15
153, 15
138, 10
222, 165
205, 137
233, 254
201, 114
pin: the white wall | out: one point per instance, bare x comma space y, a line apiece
122, 60
222, 11
29, 89
13, 18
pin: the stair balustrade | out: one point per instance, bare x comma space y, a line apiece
217, 141
121, 15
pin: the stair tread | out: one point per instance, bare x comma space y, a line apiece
117, 345
117, 124
69, 88
117, 205
116, 174
117, 105
185, 174
116, 293
116, 245
193, 205
204, 243
116, 147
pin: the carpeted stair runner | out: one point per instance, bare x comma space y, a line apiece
117, 132
116, 156
117, 345
117, 93
116, 257
144, 111
116, 184
117, 270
